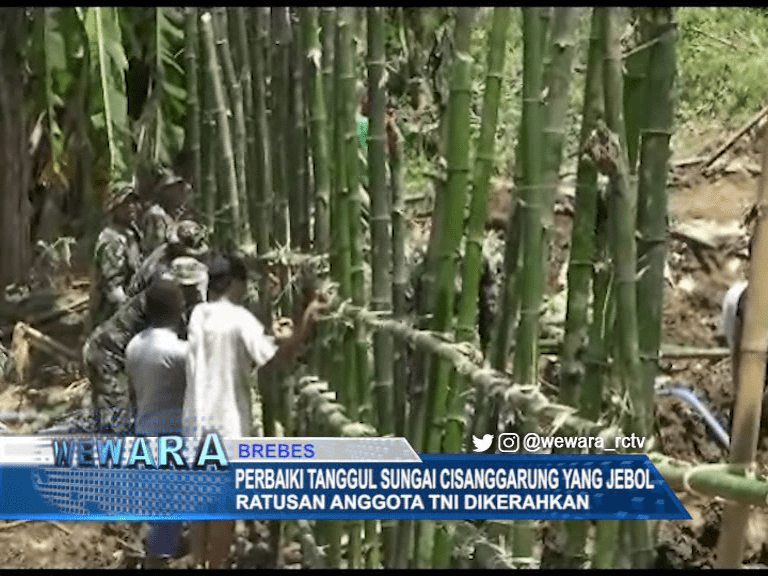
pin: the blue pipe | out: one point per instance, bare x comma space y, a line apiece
690, 397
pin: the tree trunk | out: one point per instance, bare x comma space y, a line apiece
15, 208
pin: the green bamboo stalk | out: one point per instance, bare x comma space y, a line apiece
625, 261
224, 133
444, 290
635, 91
357, 238
298, 143
381, 298
279, 108
526, 353
467, 317
652, 194
344, 121
347, 100
243, 232
208, 135
509, 301
458, 177
318, 122
263, 164
526, 343
580, 265
240, 20
403, 538
558, 80
194, 118
327, 40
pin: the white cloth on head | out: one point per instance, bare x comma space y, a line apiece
225, 340
728, 316
155, 361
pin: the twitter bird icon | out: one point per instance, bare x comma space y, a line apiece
482, 444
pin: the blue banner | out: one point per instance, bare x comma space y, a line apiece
429, 486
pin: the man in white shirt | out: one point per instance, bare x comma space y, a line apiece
225, 342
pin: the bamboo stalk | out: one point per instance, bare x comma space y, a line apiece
243, 232
298, 144
224, 133
580, 266
240, 24
652, 199
347, 98
381, 298
750, 372
526, 350
403, 537
466, 321
263, 164
342, 71
635, 93
327, 28
318, 130
279, 108
558, 79
624, 201
194, 118
444, 289
208, 135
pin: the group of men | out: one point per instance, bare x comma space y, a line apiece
172, 343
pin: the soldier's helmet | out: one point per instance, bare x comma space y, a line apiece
119, 193
188, 271
190, 237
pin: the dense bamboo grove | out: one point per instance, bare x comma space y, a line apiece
271, 125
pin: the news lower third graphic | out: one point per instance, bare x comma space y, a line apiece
211, 478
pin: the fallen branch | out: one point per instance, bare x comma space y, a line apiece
732, 140
43, 342
711, 480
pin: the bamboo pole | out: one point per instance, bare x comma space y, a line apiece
466, 321
298, 144
318, 121
635, 92
235, 91
194, 117
240, 20
279, 109
327, 36
224, 133
624, 200
381, 245
526, 350
580, 266
558, 79
342, 228
444, 289
749, 384
652, 198
208, 136
357, 239
263, 164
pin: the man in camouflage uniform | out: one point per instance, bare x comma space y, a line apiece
117, 254
187, 238
170, 198
104, 351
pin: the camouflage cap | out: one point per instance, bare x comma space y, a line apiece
188, 272
191, 236
119, 192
